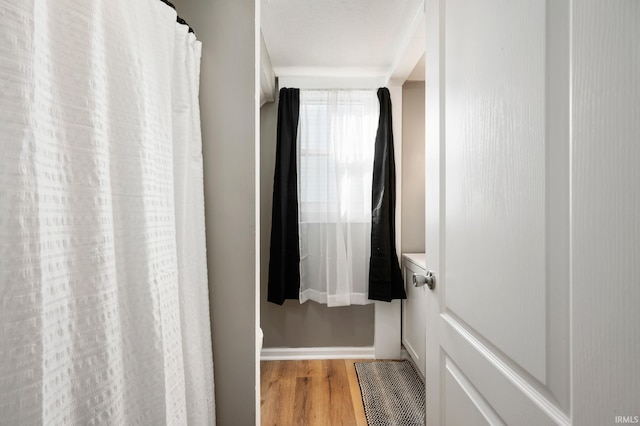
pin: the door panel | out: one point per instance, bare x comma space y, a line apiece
497, 202
495, 174
508, 390
465, 405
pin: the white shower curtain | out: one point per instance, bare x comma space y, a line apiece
103, 284
336, 145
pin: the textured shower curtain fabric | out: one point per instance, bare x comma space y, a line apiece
193, 288
103, 284
336, 141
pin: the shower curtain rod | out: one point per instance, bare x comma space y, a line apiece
178, 19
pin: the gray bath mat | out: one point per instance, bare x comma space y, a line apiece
392, 392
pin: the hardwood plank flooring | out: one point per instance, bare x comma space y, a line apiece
310, 393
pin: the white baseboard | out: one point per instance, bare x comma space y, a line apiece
338, 352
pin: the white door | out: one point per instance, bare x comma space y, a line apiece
530, 107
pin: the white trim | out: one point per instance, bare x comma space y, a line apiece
323, 81
262, 65
338, 352
387, 330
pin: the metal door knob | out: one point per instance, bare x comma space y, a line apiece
429, 279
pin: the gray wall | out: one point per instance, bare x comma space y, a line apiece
413, 182
292, 324
228, 105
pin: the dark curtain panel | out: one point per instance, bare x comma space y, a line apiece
284, 260
385, 277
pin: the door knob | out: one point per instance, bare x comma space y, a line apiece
429, 279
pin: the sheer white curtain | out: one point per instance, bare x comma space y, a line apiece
103, 284
336, 141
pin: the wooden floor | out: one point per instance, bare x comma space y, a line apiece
307, 393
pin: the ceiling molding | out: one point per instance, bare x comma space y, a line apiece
333, 82
330, 72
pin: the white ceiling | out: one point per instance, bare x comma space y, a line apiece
343, 37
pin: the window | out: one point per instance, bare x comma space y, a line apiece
336, 146
336, 141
